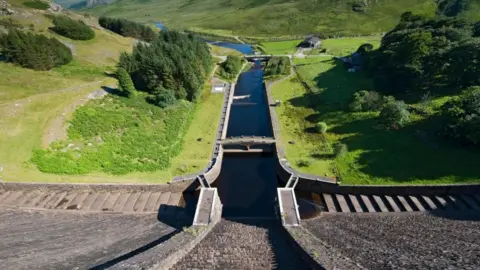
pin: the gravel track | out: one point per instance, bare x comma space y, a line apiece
405, 241
62, 240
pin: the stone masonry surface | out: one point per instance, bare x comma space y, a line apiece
403, 241
245, 244
34, 239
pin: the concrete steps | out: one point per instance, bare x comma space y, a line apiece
91, 201
348, 203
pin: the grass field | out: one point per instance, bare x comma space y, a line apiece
268, 17
30, 110
346, 46
222, 51
280, 47
375, 156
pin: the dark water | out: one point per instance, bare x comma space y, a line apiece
249, 115
247, 185
243, 48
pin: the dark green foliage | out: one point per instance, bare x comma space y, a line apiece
304, 163
395, 114
34, 51
452, 7
67, 27
462, 115
118, 135
365, 48
364, 101
278, 65
126, 84
422, 55
476, 30
37, 4
230, 68
128, 28
173, 61
163, 97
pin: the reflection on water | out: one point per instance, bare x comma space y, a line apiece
249, 113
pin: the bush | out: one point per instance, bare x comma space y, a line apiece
126, 84
395, 114
69, 28
117, 135
231, 67
163, 98
364, 101
128, 28
340, 150
304, 163
33, 51
462, 117
278, 65
37, 4
321, 127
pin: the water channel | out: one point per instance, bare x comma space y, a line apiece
247, 182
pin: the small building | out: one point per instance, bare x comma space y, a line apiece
218, 88
311, 42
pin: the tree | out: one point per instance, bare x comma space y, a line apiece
476, 29
340, 150
128, 28
33, 51
163, 98
365, 48
395, 114
67, 27
462, 117
364, 101
321, 127
125, 81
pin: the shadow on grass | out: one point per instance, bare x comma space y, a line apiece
113, 91
401, 155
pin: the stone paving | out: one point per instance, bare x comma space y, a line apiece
244, 244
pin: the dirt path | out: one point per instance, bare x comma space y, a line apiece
58, 127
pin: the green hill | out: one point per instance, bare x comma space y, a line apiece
281, 17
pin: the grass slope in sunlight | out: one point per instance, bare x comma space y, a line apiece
376, 155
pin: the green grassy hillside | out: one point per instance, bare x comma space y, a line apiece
269, 17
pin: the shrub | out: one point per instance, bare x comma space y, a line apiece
231, 67
364, 101
37, 4
321, 127
395, 114
462, 117
278, 65
340, 150
126, 84
34, 51
163, 98
304, 163
67, 27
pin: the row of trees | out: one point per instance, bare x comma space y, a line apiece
427, 55
172, 67
231, 67
33, 51
278, 66
73, 29
128, 28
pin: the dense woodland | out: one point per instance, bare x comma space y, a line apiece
33, 51
67, 27
230, 68
128, 28
422, 58
172, 67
